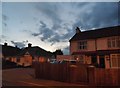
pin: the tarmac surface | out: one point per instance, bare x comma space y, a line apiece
26, 77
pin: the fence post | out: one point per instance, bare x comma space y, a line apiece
73, 73
34, 65
91, 75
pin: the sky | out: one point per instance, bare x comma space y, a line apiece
50, 25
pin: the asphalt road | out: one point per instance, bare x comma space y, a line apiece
26, 77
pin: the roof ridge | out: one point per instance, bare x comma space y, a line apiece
103, 28
98, 33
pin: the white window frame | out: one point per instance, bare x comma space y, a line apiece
113, 42
82, 45
117, 56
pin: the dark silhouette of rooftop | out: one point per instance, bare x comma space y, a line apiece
98, 33
33, 51
9, 50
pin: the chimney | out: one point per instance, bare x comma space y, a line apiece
5, 44
78, 30
29, 45
16, 46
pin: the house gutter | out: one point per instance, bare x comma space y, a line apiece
95, 45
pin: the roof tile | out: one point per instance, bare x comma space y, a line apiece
98, 33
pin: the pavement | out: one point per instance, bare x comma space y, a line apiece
26, 77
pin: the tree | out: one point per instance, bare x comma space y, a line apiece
58, 52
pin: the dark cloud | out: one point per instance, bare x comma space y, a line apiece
102, 14
46, 34
50, 35
43, 25
20, 44
50, 10
86, 16
45, 31
35, 34
53, 37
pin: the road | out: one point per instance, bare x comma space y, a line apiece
26, 77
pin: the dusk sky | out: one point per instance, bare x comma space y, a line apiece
50, 25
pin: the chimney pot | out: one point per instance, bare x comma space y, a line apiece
29, 44
5, 44
78, 30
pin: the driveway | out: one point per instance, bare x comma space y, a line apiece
26, 77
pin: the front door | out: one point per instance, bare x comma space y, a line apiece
94, 59
102, 61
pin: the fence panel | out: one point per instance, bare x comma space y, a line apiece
107, 77
77, 73
82, 73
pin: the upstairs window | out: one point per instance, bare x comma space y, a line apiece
113, 42
82, 45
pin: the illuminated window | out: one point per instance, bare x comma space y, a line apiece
82, 45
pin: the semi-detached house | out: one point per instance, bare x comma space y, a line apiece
99, 47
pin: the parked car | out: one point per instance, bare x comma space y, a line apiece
53, 61
69, 61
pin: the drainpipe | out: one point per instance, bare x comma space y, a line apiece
96, 49
95, 45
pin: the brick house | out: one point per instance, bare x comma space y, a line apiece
9, 52
100, 47
64, 57
30, 54
25, 56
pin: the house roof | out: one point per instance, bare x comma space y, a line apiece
9, 50
97, 33
35, 51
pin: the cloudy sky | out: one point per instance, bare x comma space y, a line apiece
50, 25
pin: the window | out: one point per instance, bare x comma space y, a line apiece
82, 45
113, 42
115, 60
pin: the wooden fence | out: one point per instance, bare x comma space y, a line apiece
104, 77
78, 73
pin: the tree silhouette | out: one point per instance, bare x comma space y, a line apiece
58, 52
